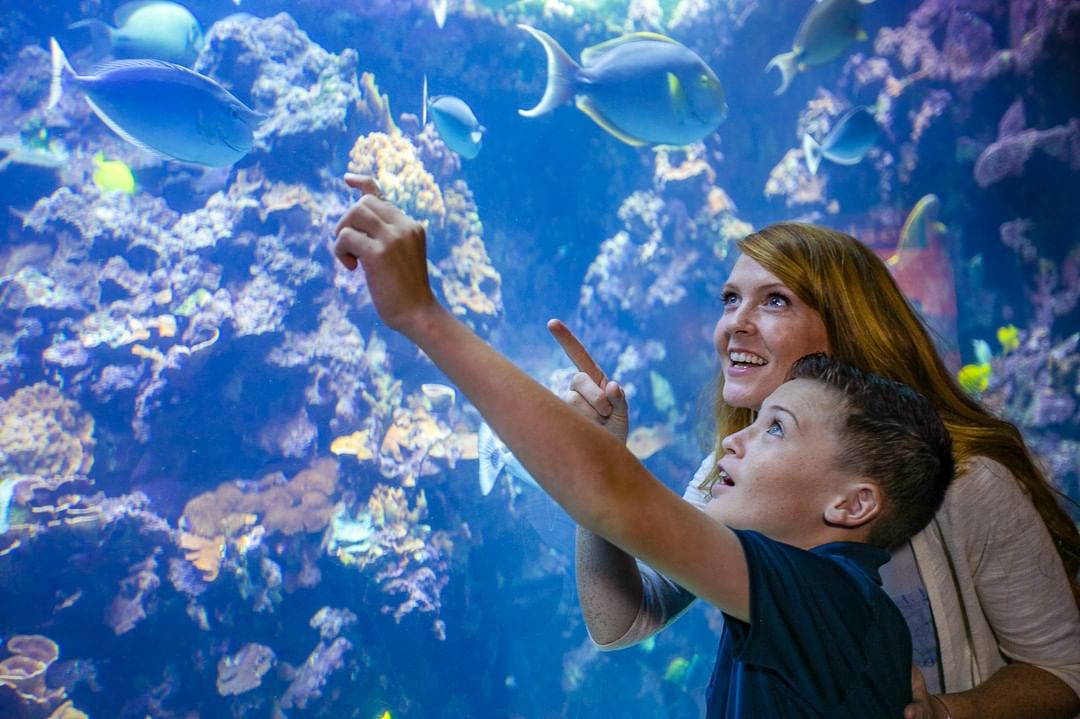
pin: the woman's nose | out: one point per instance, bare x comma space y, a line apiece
738, 320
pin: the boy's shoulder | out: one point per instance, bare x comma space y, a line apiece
812, 609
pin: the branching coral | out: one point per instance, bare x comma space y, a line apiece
389, 538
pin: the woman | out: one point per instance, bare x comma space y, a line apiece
996, 569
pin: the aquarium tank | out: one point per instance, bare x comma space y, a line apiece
228, 490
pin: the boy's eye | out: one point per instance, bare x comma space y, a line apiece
775, 428
729, 298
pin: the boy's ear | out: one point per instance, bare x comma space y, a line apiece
860, 503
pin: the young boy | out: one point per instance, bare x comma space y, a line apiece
837, 465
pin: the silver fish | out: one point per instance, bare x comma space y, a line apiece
643, 88
164, 108
148, 29
825, 32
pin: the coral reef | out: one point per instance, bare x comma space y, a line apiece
45, 435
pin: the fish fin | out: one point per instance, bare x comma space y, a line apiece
59, 64
101, 35
811, 153
785, 62
491, 458
438, 9
940, 227
125, 11
861, 35
124, 135
677, 95
591, 53
587, 106
562, 74
98, 159
423, 105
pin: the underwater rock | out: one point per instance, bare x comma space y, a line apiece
311, 96
316, 670
244, 670
128, 607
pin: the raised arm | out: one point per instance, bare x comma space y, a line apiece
608, 581
587, 471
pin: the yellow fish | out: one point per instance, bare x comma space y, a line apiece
1008, 337
974, 378
113, 175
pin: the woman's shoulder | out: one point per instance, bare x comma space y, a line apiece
981, 479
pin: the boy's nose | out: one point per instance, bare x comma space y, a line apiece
732, 444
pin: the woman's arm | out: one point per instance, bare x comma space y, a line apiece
1018, 691
1022, 590
623, 602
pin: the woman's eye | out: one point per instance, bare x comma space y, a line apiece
775, 429
778, 300
729, 298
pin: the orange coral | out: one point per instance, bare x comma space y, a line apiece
300, 504
24, 671
205, 554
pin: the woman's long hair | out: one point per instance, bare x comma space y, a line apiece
871, 325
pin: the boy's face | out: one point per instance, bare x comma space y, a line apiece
779, 474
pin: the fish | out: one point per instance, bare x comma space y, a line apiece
646, 441
164, 108
922, 268
1008, 336
920, 227
456, 123
642, 88
438, 9
825, 32
495, 458
974, 378
846, 143
113, 175
148, 29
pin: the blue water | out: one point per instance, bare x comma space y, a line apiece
207, 437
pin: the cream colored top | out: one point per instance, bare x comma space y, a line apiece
996, 585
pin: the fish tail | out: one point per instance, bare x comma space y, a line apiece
786, 64
101, 36
811, 152
59, 64
491, 458
562, 74
423, 108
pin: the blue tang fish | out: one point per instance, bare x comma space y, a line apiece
148, 29
164, 108
825, 32
846, 143
643, 88
456, 123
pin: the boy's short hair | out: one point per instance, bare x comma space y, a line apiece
893, 436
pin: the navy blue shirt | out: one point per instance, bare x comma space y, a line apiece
823, 640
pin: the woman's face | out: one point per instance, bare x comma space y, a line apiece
763, 330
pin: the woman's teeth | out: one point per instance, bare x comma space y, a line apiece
746, 358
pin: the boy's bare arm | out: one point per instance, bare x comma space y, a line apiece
586, 470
